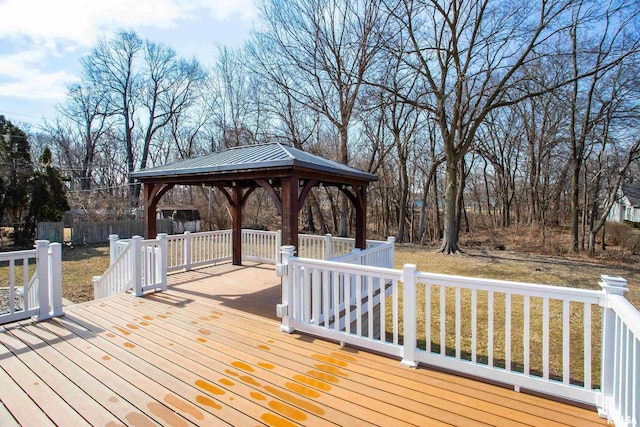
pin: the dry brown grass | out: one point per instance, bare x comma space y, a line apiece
481, 259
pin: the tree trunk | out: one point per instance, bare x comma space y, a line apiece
451, 225
575, 201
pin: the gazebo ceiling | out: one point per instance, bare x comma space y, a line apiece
254, 162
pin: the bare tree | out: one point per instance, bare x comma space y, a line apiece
110, 66
329, 46
592, 49
78, 134
143, 92
169, 86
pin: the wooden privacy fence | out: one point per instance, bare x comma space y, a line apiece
90, 232
51, 231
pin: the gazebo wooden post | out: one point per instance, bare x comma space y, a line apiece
361, 216
289, 199
152, 194
236, 215
150, 205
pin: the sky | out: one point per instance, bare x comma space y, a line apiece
42, 41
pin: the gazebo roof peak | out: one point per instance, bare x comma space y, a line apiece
253, 158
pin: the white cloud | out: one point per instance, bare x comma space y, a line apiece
224, 10
24, 79
82, 21
39, 39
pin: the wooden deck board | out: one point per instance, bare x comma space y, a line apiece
6, 419
19, 404
209, 352
304, 359
39, 391
232, 350
382, 385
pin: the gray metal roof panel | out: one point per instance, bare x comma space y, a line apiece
252, 157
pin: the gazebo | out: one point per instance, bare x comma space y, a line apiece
285, 173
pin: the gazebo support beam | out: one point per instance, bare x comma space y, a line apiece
153, 192
236, 217
361, 217
359, 200
289, 198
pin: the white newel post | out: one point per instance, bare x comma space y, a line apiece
278, 258
282, 269
163, 259
42, 269
409, 315
186, 250
391, 253
136, 265
611, 285
55, 278
328, 247
113, 239
97, 290
356, 252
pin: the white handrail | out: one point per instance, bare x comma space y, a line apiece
39, 295
344, 302
620, 355
119, 276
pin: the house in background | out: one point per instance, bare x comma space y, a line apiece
185, 218
627, 208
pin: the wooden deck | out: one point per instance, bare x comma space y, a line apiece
209, 352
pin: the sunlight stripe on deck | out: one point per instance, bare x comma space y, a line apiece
209, 352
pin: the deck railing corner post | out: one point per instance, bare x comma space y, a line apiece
358, 255
113, 241
136, 265
392, 242
285, 309
328, 247
186, 250
278, 244
611, 286
42, 270
55, 278
97, 289
163, 259
409, 316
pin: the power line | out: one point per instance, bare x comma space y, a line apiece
20, 114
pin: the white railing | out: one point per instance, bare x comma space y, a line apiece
536, 337
189, 250
621, 355
343, 302
40, 295
142, 267
328, 247
494, 318
261, 246
378, 254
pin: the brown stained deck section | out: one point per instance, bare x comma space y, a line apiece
209, 352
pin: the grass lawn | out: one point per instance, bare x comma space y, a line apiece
79, 265
504, 265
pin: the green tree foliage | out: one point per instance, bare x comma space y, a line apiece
16, 171
48, 199
28, 195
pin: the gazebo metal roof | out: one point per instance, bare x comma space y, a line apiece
252, 158
287, 175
